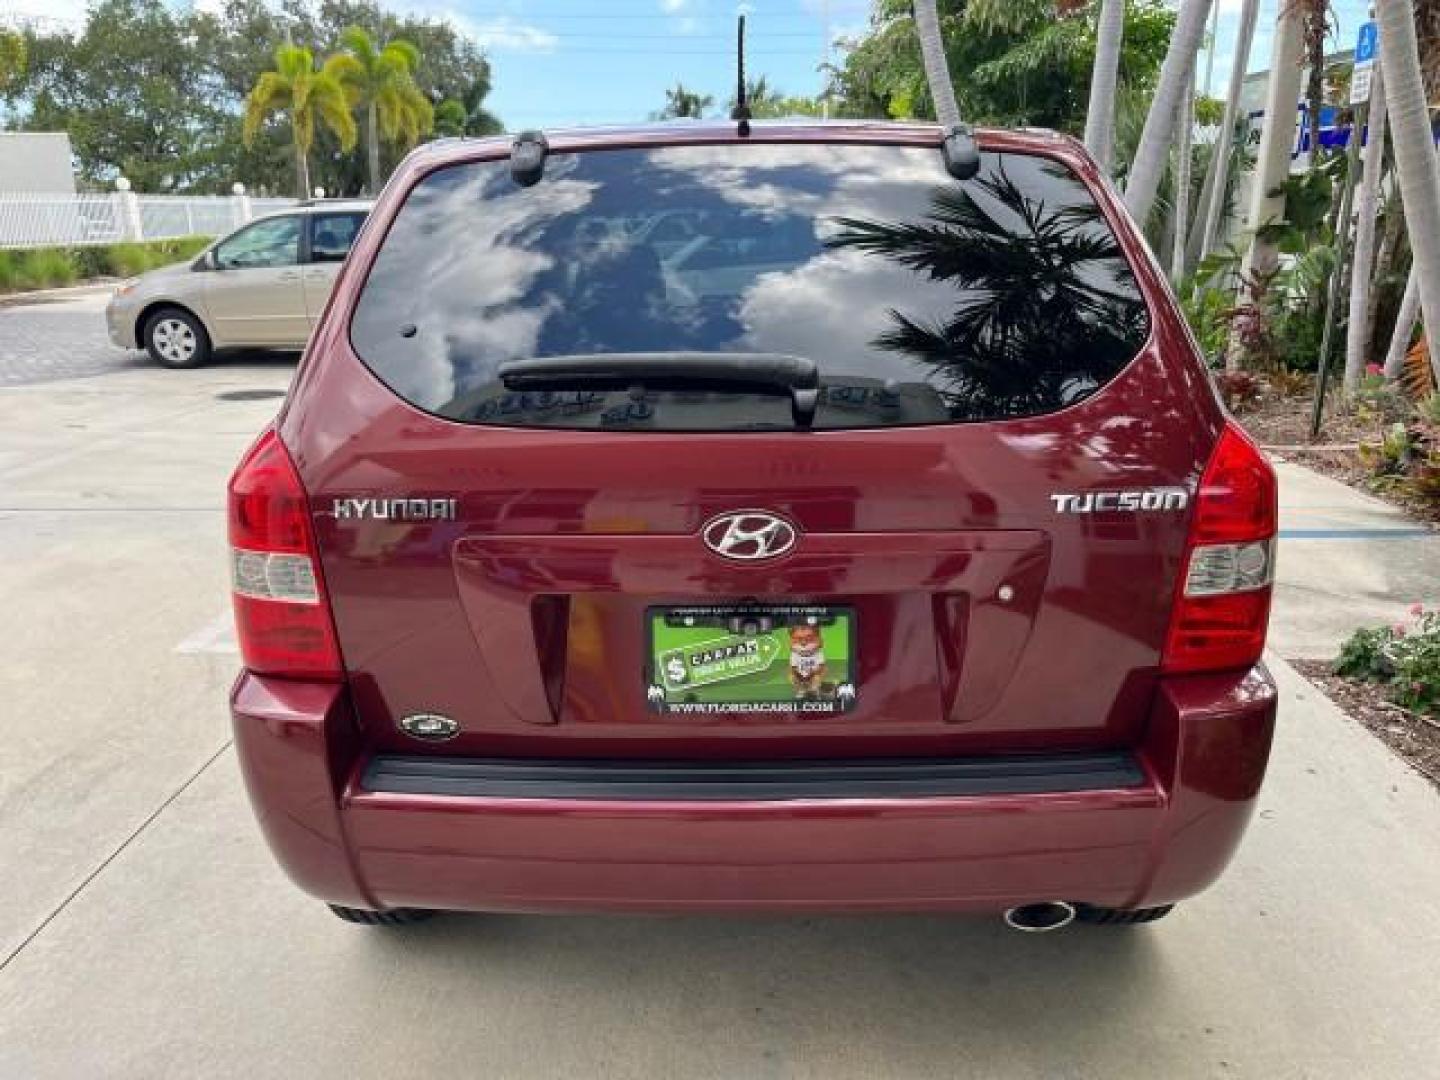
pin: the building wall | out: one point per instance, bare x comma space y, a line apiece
38, 162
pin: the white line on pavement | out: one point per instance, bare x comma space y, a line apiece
216, 636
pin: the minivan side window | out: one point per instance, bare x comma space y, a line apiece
271, 242
921, 299
332, 235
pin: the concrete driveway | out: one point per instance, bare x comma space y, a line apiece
145, 932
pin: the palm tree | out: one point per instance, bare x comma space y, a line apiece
1315, 24
1404, 326
684, 103
1357, 333
1100, 114
1184, 161
1272, 163
1415, 159
1175, 75
1212, 194
382, 82
304, 96
937, 67
12, 57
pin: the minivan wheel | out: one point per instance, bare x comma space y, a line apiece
175, 339
1110, 916
394, 917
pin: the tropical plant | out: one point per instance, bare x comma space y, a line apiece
1176, 74
681, 102
1415, 158
1404, 658
450, 118
1100, 113
305, 96
380, 80
12, 57
1013, 62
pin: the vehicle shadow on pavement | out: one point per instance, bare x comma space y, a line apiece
906, 994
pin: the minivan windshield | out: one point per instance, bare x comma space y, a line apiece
921, 299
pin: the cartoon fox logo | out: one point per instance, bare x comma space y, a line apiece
807, 661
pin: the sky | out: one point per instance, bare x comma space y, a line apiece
596, 61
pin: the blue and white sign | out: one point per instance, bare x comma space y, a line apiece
1363, 75
1366, 43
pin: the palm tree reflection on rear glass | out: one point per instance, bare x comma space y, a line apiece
1046, 311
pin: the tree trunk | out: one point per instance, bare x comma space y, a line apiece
1100, 114
1183, 154
1272, 163
1217, 176
937, 67
302, 172
1415, 159
1175, 75
1357, 334
1404, 327
1313, 16
372, 147
1384, 260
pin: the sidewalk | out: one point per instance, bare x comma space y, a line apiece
1346, 560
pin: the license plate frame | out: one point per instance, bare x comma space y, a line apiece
753, 658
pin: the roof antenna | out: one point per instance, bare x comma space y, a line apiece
741, 112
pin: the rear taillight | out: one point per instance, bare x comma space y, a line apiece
281, 613
1222, 603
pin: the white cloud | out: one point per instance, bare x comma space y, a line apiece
672, 7
505, 34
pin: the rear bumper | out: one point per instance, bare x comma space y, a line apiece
483, 836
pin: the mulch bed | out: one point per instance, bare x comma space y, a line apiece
1415, 737
1282, 425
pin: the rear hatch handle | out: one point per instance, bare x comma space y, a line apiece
762, 373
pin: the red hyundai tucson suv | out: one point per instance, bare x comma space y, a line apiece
685, 519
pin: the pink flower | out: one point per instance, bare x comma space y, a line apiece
1374, 369
1399, 629
1417, 609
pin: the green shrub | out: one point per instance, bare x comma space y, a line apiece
1405, 659
40, 268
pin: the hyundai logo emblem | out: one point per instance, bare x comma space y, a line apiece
748, 535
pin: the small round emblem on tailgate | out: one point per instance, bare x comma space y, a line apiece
432, 727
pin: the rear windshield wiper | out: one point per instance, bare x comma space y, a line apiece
760, 373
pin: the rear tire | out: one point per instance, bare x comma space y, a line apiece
393, 917
174, 338
1109, 916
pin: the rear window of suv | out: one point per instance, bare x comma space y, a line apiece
921, 299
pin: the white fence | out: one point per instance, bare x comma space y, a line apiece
64, 220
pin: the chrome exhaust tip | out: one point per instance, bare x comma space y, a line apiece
1040, 918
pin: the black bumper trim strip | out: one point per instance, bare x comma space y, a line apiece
509, 778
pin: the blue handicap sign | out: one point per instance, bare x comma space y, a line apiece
1365, 44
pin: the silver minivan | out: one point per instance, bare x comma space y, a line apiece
262, 286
